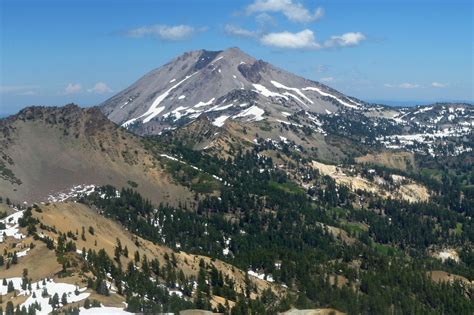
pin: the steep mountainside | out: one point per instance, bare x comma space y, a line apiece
48, 152
222, 85
231, 86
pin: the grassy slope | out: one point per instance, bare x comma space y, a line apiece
51, 157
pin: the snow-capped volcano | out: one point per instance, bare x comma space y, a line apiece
223, 85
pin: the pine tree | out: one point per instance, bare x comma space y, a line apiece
14, 259
10, 308
55, 300
10, 287
64, 299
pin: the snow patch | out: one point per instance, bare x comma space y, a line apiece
254, 110
219, 108
219, 121
73, 192
11, 226
310, 88
155, 109
202, 104
103, 310
51, 288
266, 92
281, 86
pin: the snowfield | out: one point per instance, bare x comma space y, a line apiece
155, 109
11, 226
73, 192
219, 121
51, 287
260, 276
104, 310
310, 88
426, 140
298, 91
266, 92
254, 111
202, 104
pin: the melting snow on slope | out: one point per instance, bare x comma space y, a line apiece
155, 109
219, 121
11, 226
288, 123
23, 253
423, 109
254, 110
226, 249
296, 98
317, 123
129, 122
281, 86
38, 289
310, 88
177, 112
219, 108
182, 97
260, 276
266, 92
73, 192
408, 141
104, 310
217, 59
353, 101
202, 104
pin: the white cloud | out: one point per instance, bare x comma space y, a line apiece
100, 88
301, 40
409, 85
306, 40
405, 85
344, 40
294, 11
439, 85
239, 32
327, 79
265, 19
72, 88
165, 32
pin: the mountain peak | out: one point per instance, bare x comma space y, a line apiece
223, 84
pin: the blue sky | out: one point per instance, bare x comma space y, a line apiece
55, 52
